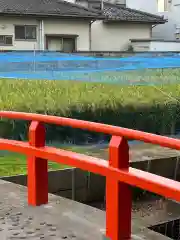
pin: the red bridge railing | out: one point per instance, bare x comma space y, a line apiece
119, 176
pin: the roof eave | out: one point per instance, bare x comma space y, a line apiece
134, 21
39, 15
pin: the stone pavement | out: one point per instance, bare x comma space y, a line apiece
60, 219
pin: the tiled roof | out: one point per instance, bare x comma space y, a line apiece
56, 8
115, 12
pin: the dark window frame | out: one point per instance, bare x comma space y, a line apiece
5, 43
25, 38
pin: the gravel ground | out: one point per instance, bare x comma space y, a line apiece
150, 211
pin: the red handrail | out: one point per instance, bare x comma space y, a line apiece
117, 171
134, 177
96, 127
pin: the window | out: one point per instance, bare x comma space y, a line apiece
25, 32
6, 40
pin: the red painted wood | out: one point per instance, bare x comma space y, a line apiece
37, 167
117, 171
145, 180
118, 194
96, 127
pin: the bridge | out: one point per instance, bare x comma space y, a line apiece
119, 175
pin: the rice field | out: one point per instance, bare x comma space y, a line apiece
97, 101
154, 108
59, 96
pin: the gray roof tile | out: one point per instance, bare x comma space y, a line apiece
115, 12
58, 8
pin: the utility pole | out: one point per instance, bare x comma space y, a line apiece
102, 5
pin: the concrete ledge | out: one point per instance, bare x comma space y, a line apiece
71, 183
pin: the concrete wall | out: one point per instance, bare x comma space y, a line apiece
74, 27
70, 183
121, 53
141, 46
167, 46
115, 36
91, 187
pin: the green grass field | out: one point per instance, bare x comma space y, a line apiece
14, 164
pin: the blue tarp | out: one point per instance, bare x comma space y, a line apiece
60, 66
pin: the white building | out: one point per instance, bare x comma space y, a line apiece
120, 25
66, 26
38, 24
170, 9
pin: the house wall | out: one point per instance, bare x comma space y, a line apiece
115, 36
78, 27
166, 31
7, 28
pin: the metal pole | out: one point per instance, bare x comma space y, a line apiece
42, 37
34, 58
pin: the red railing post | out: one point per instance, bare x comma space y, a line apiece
37, 168
118, 194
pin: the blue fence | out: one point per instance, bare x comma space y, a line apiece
59, 66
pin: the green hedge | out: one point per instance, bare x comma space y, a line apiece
138, 107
